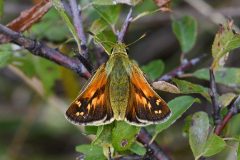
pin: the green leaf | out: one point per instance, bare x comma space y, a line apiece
106, 39
188, 88
214, 145
109, 13
25, 64
187, 124
103, 136
47, 71
102, 34
198, 133
6, 54
185, 30
178, 106
138, 149
88, 130
165, 86
226, 99
60, 8
154, 69
225, 41
91, 152
227, 76
232, 127
123, 135
149, 6
46, 28
98, 26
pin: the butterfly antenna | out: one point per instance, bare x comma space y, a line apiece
136, 40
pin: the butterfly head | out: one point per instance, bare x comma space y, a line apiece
119, 48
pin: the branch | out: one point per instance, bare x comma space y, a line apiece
77, 20
214, 97
153, 149
234, 109
67, 8
27, 18
126, 23
180, 70
39, 49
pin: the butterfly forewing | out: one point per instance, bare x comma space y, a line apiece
92, 106
144, 106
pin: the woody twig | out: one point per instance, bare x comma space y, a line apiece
78, 23
125, 26
233, 110
40, 49
214, 97
181, 69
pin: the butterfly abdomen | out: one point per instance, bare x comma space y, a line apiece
119, 88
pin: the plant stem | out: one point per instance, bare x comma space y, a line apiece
39, 49
214, 97
234, 109
181, 69
153, 149
125, 26
78, 23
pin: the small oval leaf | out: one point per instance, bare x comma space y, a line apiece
185, 30
198, 133
123, 135
165, 86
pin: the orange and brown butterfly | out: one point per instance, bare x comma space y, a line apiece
118, 91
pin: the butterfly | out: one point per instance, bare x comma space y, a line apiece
118, 91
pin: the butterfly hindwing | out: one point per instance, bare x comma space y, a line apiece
92, 106
145, 106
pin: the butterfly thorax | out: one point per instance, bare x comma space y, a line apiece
117, 67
